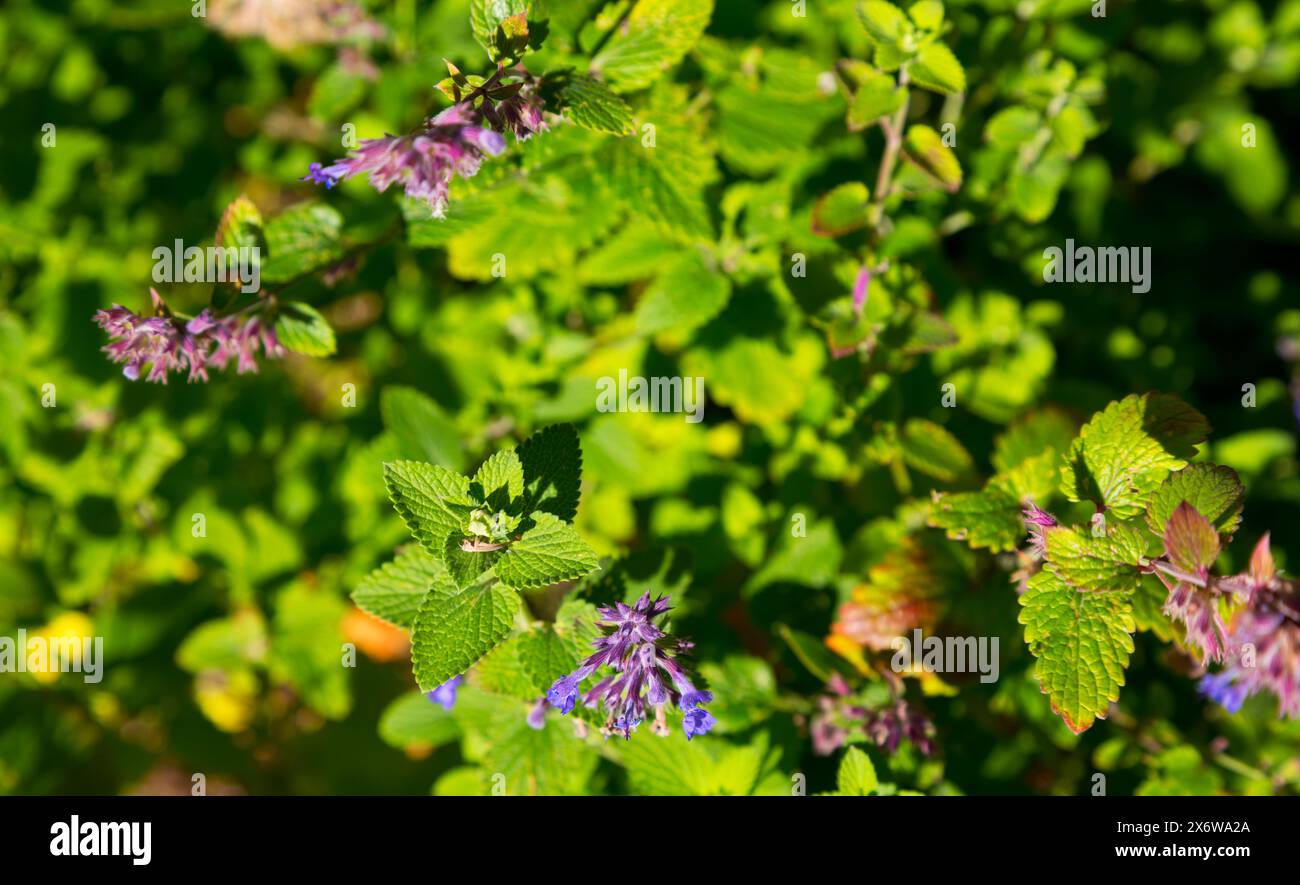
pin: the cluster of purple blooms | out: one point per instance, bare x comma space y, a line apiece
838, 713
1262, 639
646, 677
1259, 646
455, 142
167, 344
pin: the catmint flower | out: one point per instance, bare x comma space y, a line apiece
646, 676
164, 343
425, 162
445, 694
1199, 612
1263, 639
286, 24
888, 726
1037, 522
537, 715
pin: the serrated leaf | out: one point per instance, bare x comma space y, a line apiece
1191, 541
857, 776
841, 210
499, 481
301, 239
394, 591
302, 329
925, 149
1127, 450
546, 656
1031, 435
1087, 562
990, 518
506, 28
414, 721
454, 628
422, 429
431, 500
656, 36
1082, 642
550, 551
593, 105
552, 462
465, 566
1216, 492
685, 295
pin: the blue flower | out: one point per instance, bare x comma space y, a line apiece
563, 694
697, 721
647, 676
445, 694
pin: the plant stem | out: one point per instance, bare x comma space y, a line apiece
893, 143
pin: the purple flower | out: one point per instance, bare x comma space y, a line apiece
166, 344
646, 676
1199, 612
888, 726
1223, 690
697, 721
1038, 521
424, 162
1263, 639
445, 694
537, 715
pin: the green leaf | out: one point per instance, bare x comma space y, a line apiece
499, 481
841, 210
394, 591
523, 760
593, 105
1086, 562
548, 553
506, 29
1010, 128
1216, 493
937, 69
414, 721
877, 96
933, 450
421, 428
655, 37
1045, 430
885, 23
1191, 541
1082, 642
465, 566
241, 225
305, 649
432, 501
546, 656
302, 329
1127, 450
454, 628
927, 14
301, 239
857, 776
986, 519
925, 149
552, 462
336, 92
686, 295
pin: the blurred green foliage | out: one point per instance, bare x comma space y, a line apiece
668, 251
